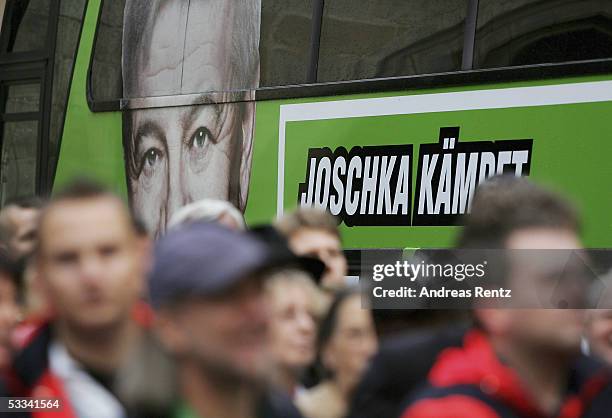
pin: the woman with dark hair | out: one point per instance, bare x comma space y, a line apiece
345, 343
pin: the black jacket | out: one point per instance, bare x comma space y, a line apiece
401, 364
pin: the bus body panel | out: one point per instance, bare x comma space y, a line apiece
569, 149
91, 142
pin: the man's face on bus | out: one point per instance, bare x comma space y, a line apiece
186, 153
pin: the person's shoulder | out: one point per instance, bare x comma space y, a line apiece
277, 404
4, 389
320, 392
458, 401
6, 393
320, 401
600, 402
400, 366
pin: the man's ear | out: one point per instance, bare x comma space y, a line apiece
248, 132
169, 333
37, 286
144, 258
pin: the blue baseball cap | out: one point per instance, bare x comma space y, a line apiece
204, 259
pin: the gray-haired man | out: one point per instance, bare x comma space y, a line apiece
176, 155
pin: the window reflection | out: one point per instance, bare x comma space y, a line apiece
386, 38
522, 32
27, 25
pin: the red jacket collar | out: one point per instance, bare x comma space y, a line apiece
477, 364
29, 374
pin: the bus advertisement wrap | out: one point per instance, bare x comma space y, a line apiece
413, 161
398, 168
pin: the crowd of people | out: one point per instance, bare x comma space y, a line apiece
220, 319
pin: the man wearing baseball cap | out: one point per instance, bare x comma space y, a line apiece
206, 286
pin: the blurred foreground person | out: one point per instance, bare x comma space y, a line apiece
207, 288
209, 210
599, 334
90, 264
314, 232
517, 362
9, 308
597, 340
18, 222
18, 225
346, 342
295, 307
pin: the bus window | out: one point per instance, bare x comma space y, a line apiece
177, 48
521, 32
22, 98
385, 38
35, 75
284, 46
19, 160
26, 25
105, 81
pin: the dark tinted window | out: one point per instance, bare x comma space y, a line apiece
34, 87
105, 80
22, 98
385, 38
284, 45
26, 24
520, 32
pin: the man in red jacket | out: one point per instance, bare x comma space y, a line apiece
90, 264
516, 363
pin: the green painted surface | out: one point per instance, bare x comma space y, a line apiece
91, 142
261, 206
568, 154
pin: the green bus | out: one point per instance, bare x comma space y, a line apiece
387, 113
